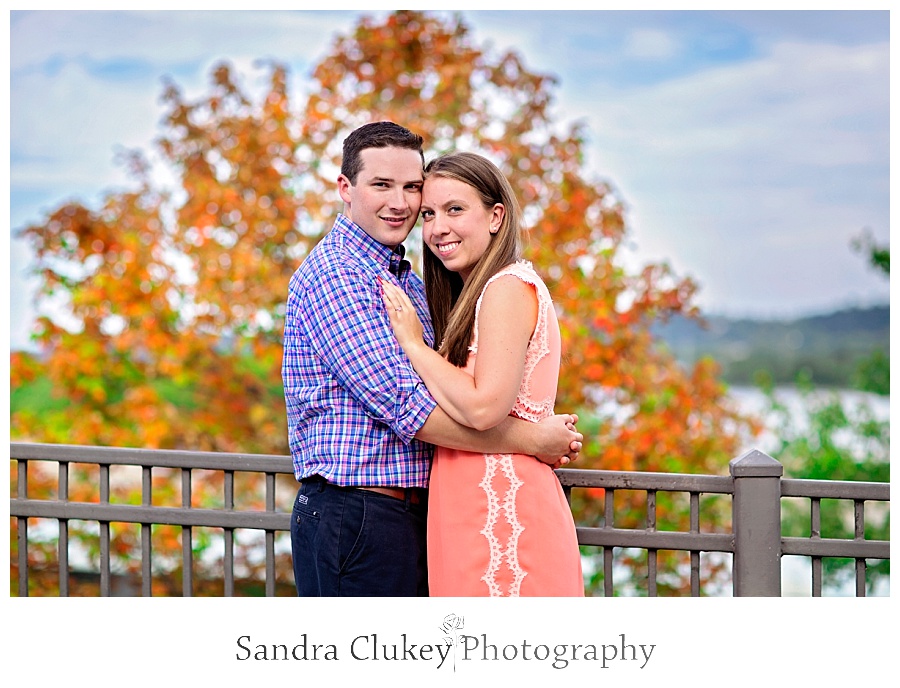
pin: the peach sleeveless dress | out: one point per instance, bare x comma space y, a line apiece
499, 524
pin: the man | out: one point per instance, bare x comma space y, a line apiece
360, 421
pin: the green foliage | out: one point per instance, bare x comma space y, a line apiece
37, 397
879, 255
873, 374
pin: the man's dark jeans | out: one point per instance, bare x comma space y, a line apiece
356, 543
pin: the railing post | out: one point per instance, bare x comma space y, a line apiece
756, 518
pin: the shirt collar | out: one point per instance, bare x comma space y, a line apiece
391, 259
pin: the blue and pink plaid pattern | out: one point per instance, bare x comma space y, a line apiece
354, 402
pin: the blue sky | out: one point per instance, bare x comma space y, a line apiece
749, 147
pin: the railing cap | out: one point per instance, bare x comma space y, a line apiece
755, 464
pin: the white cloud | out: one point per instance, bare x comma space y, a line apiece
165, 38
651, 44
810, 91
755, 173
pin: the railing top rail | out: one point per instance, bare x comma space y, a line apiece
163, 458
835, 489
632, 480
569, 477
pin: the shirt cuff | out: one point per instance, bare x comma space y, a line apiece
412, 410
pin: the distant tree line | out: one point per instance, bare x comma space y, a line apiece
848, 348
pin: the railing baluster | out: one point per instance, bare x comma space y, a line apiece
22, 527
652, 554
695, 555
146, 533
187, 545
815, 533
105, 588
229, 536
63, 494
609, 497
860, 534
270, 537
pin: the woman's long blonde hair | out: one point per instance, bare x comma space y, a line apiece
451, 303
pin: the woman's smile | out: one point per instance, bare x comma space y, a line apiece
444, 249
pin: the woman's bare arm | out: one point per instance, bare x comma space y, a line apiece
506, 322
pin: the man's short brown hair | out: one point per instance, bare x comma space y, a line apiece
376, 135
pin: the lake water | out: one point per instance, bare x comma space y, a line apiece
752, 401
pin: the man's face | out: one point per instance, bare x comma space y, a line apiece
385, 200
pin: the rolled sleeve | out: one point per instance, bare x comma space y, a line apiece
412, 408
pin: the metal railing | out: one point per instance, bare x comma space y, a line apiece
755, 486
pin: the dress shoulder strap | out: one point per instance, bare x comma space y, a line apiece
524, 270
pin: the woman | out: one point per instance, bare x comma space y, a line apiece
498, 524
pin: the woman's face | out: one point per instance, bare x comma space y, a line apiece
455, 224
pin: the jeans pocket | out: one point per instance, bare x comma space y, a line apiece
305, 521
305, 508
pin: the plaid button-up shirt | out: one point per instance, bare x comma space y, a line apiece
354, 402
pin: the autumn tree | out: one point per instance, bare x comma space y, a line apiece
178, 293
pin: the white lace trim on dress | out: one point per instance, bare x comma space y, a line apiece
498, 550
